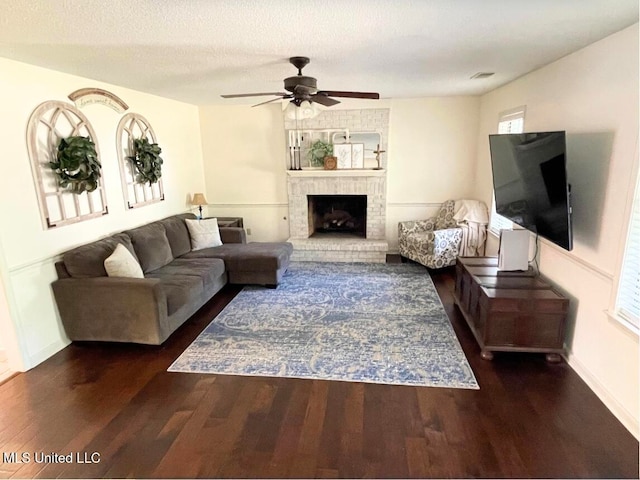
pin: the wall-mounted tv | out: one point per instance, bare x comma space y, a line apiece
530, 183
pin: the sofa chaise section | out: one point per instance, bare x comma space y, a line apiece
260, 263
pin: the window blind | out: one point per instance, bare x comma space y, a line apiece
628, 302
512, 124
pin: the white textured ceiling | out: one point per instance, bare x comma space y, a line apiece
195, 50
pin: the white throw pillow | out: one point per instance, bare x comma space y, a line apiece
121, 263
204, 233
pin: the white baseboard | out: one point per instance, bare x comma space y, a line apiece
41, 355
626, 418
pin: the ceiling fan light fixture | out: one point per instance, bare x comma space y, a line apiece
307, 109
304, 111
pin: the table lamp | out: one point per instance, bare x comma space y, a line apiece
198, 199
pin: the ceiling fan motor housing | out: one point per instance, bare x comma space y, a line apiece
310, 83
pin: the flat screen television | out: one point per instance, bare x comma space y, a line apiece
530, 183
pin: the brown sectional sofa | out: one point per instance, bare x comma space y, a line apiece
178, 281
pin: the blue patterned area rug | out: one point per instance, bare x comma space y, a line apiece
374, 323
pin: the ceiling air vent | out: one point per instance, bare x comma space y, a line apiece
482, 75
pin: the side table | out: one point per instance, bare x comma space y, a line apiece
230, 221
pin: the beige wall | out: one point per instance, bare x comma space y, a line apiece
432, 150
28, 249
244, 167
593, 95
431, 158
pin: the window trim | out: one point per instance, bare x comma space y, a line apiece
631, 209
498, 222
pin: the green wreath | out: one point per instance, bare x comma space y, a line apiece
77, 166
318, 151
146, 158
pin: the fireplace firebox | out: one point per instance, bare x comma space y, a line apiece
337, 214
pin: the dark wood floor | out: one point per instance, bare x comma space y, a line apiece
529, 419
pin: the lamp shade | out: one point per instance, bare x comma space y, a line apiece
198, 199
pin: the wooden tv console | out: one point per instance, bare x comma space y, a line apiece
510, 311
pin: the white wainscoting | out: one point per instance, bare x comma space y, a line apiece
37, 319
264, 222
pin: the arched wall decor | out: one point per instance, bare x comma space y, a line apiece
90, 96
134, 126
49, 122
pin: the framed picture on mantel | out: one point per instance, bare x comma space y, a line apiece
357, 155
342, 152
349, 155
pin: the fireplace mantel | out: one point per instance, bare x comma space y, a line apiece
336, 173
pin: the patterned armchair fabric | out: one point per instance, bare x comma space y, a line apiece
435, 242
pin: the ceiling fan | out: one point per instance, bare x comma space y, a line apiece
301, 88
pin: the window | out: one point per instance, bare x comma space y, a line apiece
511, 121
498, 222
628, 301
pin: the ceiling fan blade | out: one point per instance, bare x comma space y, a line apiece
370, 95
324, 100
272, 100
238, 95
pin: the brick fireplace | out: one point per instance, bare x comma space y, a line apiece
368, 245
314, 235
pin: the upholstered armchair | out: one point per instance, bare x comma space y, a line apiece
435, 242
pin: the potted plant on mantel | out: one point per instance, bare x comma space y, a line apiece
318, 152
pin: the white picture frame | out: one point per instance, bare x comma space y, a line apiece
357, 155
342, 152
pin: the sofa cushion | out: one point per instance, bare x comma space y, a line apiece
151, 245
261, 256
87, 261
177, 233
204, 233
180, 290
208, 270
223, 252
121, 263
249, 257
